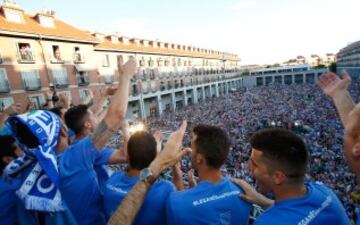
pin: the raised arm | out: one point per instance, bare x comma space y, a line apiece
172, 153
9, 111
352, 140
337, 89
96, 108
118, 105
120, 155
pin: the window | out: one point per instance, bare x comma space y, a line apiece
56, 56
37, 100
78, 57
152, 75
4, 82
106, 60
83, 93
151, 62
25, 53
31, 80
60, 77
142, 62
5, 102
14, 16
82, 78
134, 90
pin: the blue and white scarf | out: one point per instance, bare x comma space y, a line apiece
40, 189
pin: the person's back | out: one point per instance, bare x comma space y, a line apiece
77, 166
79, 184
319, 206
208, 203
141, 151
215, 200
153, 209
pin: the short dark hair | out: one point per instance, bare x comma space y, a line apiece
284, 148
141, 149
213, 143
75, 117
8, 147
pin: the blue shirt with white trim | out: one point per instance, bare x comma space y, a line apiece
320, 206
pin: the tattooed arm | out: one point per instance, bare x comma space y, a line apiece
172, 153
118, 106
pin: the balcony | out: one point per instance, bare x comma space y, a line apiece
82, 79
61, 82
25, 56
4, 86
32, 84
78, 58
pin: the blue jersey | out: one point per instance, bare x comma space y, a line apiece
208, 203
79, 183
152, 210
8, 215
320, 206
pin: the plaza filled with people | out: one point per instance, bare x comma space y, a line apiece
53, 180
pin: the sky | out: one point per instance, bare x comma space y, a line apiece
258, 31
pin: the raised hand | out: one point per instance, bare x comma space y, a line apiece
127, 69
331, 84
172, 152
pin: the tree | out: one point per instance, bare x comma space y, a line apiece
332, 67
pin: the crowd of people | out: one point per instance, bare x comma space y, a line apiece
301, 108
60, 165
